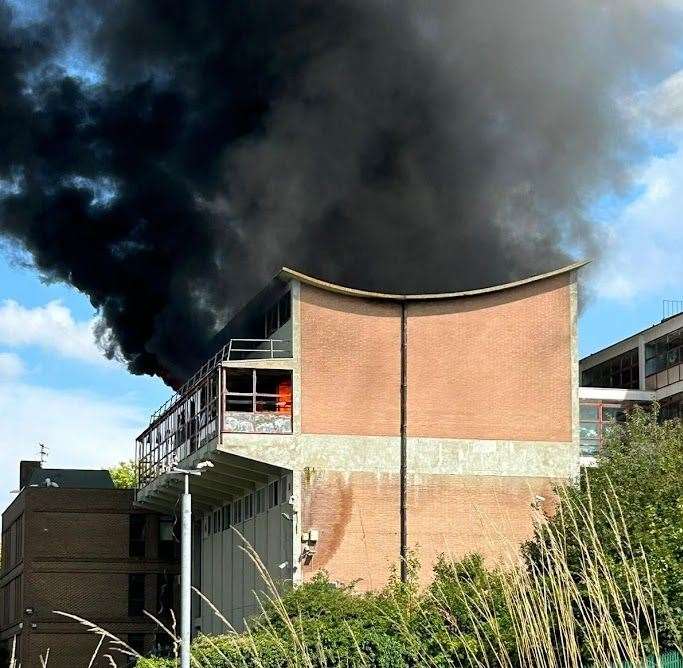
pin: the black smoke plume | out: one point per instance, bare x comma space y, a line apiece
166, 157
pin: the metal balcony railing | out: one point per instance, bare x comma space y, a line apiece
196, 413
233, 351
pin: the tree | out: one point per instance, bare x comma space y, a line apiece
124, 474
638, 481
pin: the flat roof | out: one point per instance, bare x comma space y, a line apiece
287, 274
72, 478
662, 323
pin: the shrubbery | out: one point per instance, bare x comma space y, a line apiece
601, 583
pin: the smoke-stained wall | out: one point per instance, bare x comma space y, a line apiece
166, 160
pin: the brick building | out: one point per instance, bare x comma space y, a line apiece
315, 393
644, 367
72, 542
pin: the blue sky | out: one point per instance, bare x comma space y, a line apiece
57, 388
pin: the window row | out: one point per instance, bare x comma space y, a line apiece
12, 602
167, 544
13, 544
274, 494
662, 354
620, 371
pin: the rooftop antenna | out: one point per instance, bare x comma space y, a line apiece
43, 453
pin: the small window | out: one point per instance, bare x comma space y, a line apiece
260, 500
136, 594
227, 510
216, 521
237, 511
168, 545
165, 594
284, 489
136, 543
273, 493
248, 506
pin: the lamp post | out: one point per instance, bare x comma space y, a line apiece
186, 561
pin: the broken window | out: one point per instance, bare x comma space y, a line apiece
259, 391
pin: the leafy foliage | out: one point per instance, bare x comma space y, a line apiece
638, 483
124, 474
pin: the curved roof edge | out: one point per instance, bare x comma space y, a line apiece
287, 274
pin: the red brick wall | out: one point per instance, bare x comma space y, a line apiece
350, 364
495, 366
357, 516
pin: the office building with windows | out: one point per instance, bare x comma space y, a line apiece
638, 370
73, 543
314, 393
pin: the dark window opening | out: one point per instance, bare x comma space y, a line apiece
278, 314
248, 506
227, 510
260, 500
137, 531
169, 547
136, 594
237, 511
273, 494
166, 585
620, 372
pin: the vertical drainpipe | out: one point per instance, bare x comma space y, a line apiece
404, 446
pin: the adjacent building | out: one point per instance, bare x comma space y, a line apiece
638, 370
71, 542
314, 392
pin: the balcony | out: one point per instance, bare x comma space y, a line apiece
220, 398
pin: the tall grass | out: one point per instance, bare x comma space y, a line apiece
535, 613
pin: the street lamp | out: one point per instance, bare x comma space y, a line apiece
186, 561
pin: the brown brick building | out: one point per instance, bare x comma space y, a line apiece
72, 542
305, 410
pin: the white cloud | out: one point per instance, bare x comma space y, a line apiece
660, 108
81, 429
11, 366
642, 246
51, 327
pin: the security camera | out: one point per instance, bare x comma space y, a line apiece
205, 465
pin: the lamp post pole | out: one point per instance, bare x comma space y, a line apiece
186, 575
186, 560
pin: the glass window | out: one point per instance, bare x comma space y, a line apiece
620, 371
589, 411
260, 500
273, 494
136, 530
136, 594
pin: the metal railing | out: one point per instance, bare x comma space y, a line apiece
228, 353
671, 307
